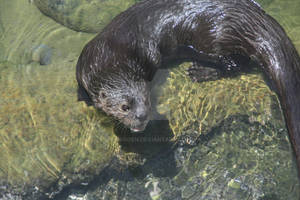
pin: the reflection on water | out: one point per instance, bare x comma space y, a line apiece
48, 140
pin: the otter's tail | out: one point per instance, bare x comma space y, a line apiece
254, 33
281, 63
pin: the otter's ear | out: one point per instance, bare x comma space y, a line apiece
82, 95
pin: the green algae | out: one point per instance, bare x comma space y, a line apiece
201, 106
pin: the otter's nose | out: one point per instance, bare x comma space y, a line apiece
141, 116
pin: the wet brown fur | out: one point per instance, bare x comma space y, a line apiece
152, 33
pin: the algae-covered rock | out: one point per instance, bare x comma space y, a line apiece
198, 107
83, 15
239, 159
47, 136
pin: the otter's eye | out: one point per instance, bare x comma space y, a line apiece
125, 108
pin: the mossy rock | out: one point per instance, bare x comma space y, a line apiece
46, 136
239, 159
83, 15
197, 107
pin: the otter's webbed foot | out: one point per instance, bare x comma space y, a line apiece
223, 66
199, 73
226, 64
211, 66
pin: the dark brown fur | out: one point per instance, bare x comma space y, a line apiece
115, 67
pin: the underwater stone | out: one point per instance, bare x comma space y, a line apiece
249, 173
42, 54
83, 15
41, 119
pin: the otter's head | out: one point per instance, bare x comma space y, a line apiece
126, 100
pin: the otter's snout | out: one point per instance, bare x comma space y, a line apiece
142, 112
142, 116
141, 120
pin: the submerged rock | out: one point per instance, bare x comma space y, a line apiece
42, 54
197, 107
238, 159
83, 15
47, 139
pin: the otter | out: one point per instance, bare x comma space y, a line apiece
115, 68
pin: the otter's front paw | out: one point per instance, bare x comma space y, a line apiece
198, 73
228, 64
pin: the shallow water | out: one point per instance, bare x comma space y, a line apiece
53, 146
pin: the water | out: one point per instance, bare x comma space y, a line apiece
53, 146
